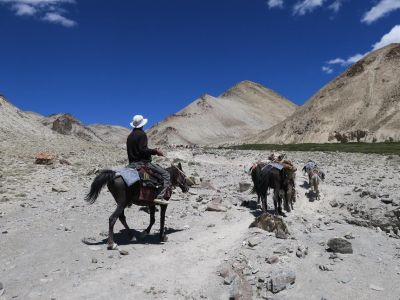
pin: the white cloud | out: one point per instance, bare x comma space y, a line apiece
383, 8
275, 3
58, 19
393, 36
346, 62
306, 6
336, 5
51, 11
327, 70
24, 9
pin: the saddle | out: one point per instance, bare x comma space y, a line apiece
150, 184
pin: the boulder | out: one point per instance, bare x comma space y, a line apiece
43, 158
216, 205
340, 245
280, 280
271, 223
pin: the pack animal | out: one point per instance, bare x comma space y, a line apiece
136, 194
266, 176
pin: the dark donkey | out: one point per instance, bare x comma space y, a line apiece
126, 196
265, 177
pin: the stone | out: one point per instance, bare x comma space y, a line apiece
206, 184
340, 245
325, 268
272, 260
94, 260
216, 205
64, 162
349, 236
365, 193
244, 186
93, 171
334, 203
280, 280
123, 252
376, 288
59, 189
252, 242
271, 223
301, 251
387, 201
43, 158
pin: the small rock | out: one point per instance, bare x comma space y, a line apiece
59, 189
252, 242
64, 162
387, 201
272, 260
340, 245
334, 203
93, 171
280, 280
325, 268
216, 205
123, 252
94, 260
349, 236
302, 252
44, 158
376, 288
365, 193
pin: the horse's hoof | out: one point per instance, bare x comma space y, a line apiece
164, 239
114, 246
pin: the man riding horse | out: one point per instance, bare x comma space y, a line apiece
140, 155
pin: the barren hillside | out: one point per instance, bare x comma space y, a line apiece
362, 104
239, 112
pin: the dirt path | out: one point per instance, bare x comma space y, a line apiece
42, 255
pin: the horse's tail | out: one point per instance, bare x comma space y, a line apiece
98, 183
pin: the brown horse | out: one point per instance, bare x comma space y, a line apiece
126, 196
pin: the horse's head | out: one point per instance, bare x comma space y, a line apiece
178, 178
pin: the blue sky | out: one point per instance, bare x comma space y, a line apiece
104, 61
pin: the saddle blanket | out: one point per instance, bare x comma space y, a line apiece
129, 175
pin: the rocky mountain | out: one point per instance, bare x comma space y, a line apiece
16, 122
362, 104
111, 134
35, 127
243, 110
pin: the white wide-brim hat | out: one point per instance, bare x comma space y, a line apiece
138, 121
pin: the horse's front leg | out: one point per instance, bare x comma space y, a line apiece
163, 237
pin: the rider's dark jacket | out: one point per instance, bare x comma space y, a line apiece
136, 146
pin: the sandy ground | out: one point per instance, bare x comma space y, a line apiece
42, 255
